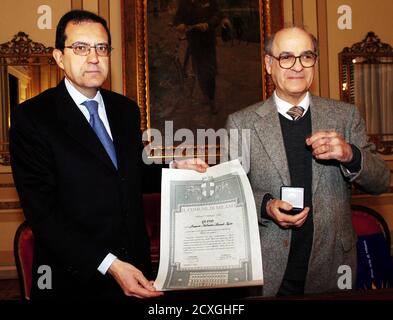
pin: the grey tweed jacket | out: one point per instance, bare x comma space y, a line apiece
263, 156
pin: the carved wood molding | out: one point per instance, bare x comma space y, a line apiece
142, 61
370, 45
22, 50
268, 27
368, 51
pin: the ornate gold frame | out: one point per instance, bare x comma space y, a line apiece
22, 51
371, 51
136, 69
135, 55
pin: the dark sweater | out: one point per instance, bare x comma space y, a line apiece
300, 168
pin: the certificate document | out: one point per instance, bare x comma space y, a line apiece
209, 230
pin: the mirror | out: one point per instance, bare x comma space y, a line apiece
366, 80
26, 69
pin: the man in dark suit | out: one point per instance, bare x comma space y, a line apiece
76, 155
300, 140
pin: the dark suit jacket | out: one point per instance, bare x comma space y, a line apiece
78, 205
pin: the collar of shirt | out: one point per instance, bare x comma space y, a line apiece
283, 106
79, 98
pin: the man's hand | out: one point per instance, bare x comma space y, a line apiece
132, 281
285, 220
192, 164
330, 145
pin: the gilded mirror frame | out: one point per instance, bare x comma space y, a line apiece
368, 51
20, 51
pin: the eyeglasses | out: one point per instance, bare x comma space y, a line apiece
83, 49
287, 61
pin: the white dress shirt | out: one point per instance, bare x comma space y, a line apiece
79, 98
284, 106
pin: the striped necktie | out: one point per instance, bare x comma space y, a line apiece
295, 112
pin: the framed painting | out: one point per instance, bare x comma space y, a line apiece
197, 61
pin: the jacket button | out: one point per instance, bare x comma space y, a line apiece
285, 243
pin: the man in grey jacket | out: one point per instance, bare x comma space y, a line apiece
320, 145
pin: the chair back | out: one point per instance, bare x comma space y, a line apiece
375, 265
23, 252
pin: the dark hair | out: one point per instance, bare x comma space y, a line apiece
269, 41
77, 16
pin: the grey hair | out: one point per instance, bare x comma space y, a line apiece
270, 40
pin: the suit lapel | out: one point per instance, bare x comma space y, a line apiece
268, 129
320, 121
75, 124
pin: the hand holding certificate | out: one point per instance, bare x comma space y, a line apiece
209, 230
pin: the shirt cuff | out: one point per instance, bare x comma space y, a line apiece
355, 164
265, 200
106, 263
